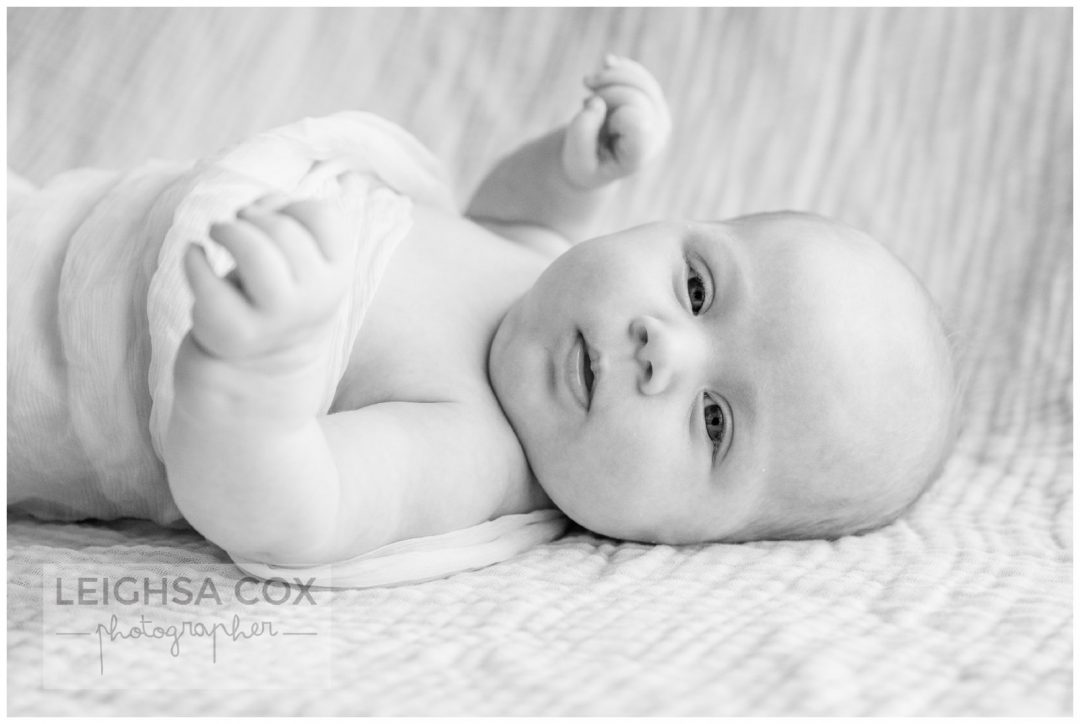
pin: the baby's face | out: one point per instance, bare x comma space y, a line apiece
682, 382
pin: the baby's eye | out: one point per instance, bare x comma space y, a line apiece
715, 423
695, 290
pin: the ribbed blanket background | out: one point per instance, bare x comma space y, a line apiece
946, 133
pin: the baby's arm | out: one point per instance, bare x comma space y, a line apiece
549, 192
248, 463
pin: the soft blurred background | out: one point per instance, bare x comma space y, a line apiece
945, 133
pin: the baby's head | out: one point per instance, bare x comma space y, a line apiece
773, 376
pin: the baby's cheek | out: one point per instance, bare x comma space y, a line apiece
621, 464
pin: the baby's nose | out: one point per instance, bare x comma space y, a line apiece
663, 352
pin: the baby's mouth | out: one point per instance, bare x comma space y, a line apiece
587, 372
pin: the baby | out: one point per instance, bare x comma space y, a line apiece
773, 376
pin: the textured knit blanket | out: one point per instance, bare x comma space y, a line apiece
945, 133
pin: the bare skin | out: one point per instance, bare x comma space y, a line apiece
682, 382
677, 382
416, 442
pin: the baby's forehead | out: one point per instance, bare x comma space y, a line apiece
806, 242
807, 266
824, 299
797, 226
839, 324
848, 346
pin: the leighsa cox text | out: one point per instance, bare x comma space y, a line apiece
180, 591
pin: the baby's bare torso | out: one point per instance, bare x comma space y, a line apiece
425, 339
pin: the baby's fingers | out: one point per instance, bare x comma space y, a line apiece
289, 236
628, 73
214, 296
262, 269
326, 225
581, 148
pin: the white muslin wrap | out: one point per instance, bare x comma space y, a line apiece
424, 559
98, 306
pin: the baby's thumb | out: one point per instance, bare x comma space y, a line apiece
581, 155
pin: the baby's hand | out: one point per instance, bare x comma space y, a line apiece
624, 124
294, 266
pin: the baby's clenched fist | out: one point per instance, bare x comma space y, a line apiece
624, 124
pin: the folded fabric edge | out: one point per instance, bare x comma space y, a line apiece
429, 557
